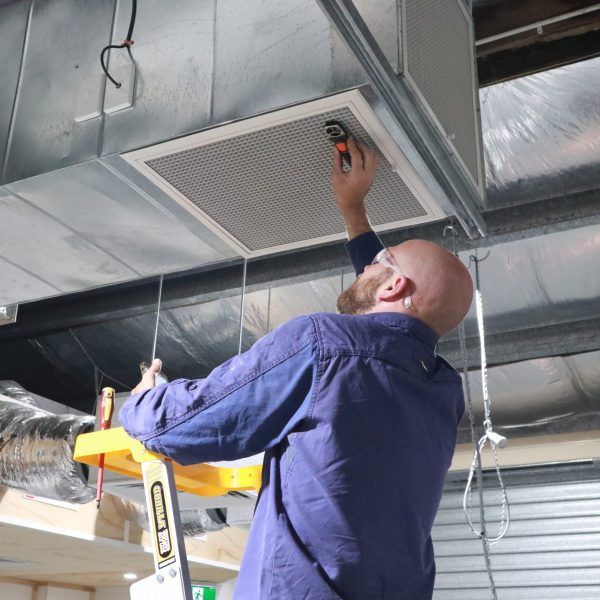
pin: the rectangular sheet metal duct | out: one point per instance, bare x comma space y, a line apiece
263, 184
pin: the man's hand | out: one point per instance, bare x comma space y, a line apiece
148, 380
351, 187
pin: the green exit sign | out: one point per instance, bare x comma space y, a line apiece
202, 592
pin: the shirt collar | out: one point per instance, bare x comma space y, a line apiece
422, 332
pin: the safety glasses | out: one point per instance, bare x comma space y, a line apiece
387, 259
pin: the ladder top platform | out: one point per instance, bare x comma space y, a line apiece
123, 454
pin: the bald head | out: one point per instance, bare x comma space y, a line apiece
440, 285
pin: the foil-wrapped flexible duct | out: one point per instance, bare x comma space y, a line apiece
36, 448
12, 390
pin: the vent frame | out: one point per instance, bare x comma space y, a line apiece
353, 100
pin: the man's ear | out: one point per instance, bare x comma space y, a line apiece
394, 291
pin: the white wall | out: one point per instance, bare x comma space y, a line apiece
58, 593
112, 593
224, 592
225, 589
22, 591
15, 591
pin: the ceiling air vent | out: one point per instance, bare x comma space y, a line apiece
438, 62
263, 184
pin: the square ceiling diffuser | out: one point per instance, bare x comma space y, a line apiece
264, 184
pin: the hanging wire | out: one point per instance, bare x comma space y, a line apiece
242, 304
127, 43
97, 369
269, 309
158, 303
476, 468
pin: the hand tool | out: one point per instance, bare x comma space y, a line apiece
107, 406
337, 134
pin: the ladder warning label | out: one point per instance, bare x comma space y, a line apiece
164, 544
160, 520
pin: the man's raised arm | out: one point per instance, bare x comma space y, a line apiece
350, 189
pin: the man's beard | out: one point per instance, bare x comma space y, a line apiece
360, 297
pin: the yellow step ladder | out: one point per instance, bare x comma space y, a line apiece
162, 477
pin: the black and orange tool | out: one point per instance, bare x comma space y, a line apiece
107, 406
337, 134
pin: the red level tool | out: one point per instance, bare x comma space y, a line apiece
107, 406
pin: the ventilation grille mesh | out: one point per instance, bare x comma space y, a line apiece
439, 60
273, 187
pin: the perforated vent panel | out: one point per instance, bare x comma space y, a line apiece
439, 60
272, 187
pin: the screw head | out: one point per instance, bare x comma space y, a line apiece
172, 572
160, 578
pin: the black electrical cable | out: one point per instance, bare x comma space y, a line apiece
127, 43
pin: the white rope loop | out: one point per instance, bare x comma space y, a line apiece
494, 439
504, 522
490, 436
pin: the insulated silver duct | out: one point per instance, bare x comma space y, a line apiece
542, 132
36, 448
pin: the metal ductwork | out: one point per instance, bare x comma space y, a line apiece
207, 69
262, 183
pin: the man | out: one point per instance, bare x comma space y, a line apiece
356, 413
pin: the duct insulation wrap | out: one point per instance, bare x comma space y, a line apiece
36, 448
542, 129
12, 390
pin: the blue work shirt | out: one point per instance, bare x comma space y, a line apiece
358, 418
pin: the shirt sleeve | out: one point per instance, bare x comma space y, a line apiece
362, 250
245, 406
